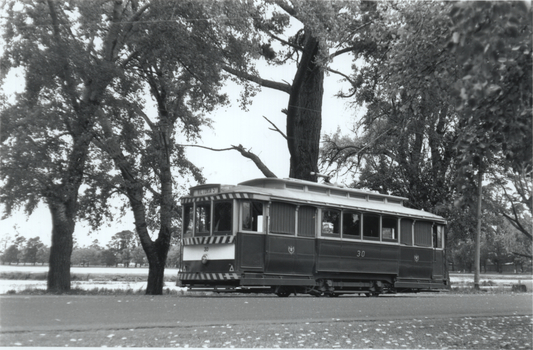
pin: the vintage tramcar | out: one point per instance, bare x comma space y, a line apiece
287, 236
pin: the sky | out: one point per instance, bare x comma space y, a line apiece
231, 126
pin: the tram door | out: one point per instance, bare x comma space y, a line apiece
438, 252
438, 264
415, 259
251, 240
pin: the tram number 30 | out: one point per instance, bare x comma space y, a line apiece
360, 254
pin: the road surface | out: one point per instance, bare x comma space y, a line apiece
40, 313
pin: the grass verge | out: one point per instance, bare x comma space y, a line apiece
93, 291
42, 276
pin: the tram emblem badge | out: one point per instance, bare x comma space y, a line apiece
417, 258
291, 249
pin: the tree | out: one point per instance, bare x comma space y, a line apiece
404, 143
122, 243
464, 255
31, 249
85, 256
492, 41
108, 257
4, 242
11, 255
168, 55
95, 245
510, 196
138, 256
69, 56
43, 255
326, 30
174, 256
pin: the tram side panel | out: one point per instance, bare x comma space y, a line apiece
357, 257
289, 255
415, 263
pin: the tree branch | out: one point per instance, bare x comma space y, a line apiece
285, 42
523, 255
247, 154
258, 80
341, 74
276, 128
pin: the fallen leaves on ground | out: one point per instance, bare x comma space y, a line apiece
508, 332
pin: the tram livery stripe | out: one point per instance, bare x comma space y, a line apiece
208, 240
207, 276
222, 196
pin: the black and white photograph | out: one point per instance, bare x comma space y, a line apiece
279, 174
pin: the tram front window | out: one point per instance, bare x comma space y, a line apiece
203, 219
187, 220
252, 216
222, 218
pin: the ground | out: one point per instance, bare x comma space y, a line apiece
513, 332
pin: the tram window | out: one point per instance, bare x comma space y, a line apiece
423, 233
222, 218
252, 216
351, 225
306, 221
438, 233
389, 229
407, 231
331, 220
187, 220
203, 219
371, 227
283, 218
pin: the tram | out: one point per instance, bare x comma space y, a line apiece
288, 236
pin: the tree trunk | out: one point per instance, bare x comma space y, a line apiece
62, 201
478, 230
158, 255
304, 114
156, 269
58, 280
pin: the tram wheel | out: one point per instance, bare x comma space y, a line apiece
283, 294
373, 294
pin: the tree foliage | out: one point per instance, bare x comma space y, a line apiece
406, 144
88, 66
69, 53
492, 43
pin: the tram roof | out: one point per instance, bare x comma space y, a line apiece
312, 193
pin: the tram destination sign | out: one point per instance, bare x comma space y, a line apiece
200, 191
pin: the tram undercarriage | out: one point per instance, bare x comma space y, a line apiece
284, 286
